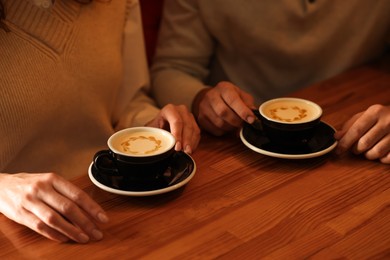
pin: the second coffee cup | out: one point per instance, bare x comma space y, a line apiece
138, 154
289, 121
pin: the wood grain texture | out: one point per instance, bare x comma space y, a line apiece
241, 204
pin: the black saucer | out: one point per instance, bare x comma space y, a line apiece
180, 171
321, 143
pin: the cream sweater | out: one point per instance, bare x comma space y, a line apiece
268, 48
70, 76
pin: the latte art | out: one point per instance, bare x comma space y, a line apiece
142, 142
288, 113
141, 145
290, 110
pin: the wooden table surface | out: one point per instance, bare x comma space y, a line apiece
241, 204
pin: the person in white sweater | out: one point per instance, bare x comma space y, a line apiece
220, 58
71, 74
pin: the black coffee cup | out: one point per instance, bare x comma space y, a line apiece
136, 155
290, 121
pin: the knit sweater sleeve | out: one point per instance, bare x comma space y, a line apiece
134, 105
182, 56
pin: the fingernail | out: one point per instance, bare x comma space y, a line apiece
178, 146
83, 238
250, 119
188, 149
97, 234
102, 217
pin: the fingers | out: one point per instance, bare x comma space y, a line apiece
78, 196
354, 130
250, 103
385, 159
51, 206
191, 133
78, 208
40, 227
379, 150
183, 126
50, 222
367, 133
217, 126
213, 123
175, 121
347, 125
65, 208
237, 104
223, 108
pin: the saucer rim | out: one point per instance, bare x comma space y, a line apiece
286, 155
142, 193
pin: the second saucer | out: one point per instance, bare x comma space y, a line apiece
321, 143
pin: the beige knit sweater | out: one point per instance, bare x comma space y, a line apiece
70, 75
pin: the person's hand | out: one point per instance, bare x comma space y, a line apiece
223, 108
367, 133
181, 123
51, 206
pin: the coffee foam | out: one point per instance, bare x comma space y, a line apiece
290, 111
143, 143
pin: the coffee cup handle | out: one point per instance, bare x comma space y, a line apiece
104, 162
257, 113
257, 125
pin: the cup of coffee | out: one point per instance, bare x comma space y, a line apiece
289, 121
136, 155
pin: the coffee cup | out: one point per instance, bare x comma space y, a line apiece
136, 155
289, 121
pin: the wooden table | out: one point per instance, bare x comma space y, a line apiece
244, 205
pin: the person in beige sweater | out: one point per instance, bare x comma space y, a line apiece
71, 74
220, 58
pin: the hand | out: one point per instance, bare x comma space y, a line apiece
51, 206
182, 125
367, 132
223, 108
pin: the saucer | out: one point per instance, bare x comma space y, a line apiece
180, 172
321, 143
